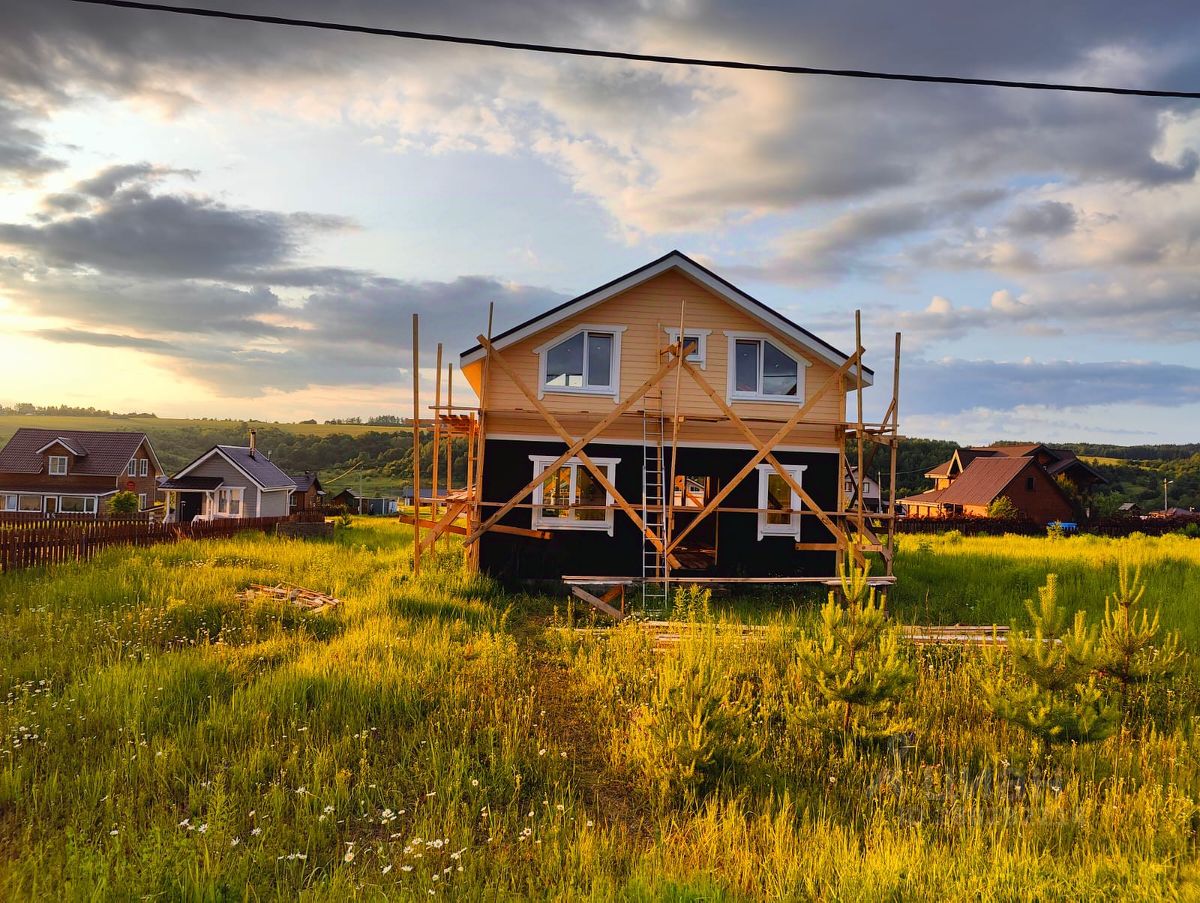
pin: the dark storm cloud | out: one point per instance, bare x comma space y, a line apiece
954, 386
131, 230
22, 150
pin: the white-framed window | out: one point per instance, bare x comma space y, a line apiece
697, 337
8, 502
585, 361
77, 504
573, 484
30, 503
141, 501
131, 470
57, 465
143, 467
229, 501
761, 370
779, 513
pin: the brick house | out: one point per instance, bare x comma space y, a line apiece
973, 478
309, 494
49, 472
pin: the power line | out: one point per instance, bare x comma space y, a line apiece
637, 57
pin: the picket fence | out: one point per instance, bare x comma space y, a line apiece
27, 543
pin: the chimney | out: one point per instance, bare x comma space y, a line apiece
253, 445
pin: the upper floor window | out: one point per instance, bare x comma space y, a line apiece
586, 361
762, 371
143, 466
697, 340
57, 465
132, 469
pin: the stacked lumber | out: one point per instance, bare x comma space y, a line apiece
308, 599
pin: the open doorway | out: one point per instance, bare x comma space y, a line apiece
689, 495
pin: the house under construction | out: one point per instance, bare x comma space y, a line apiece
665, 427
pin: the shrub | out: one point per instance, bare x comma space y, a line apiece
124, 502
1003, 507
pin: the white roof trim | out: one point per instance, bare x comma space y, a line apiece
65, 443
216, 450
692, 271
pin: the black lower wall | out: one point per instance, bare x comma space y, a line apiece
507, 469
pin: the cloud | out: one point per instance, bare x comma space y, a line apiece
950, 386
113, 222
22, 150
102, 339
1045, 218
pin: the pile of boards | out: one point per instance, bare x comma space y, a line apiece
297, 595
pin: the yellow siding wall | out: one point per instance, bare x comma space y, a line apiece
646, 311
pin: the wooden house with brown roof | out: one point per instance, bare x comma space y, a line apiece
45, 472
973, 478
665, 423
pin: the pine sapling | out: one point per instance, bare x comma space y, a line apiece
1132, 653
854, 663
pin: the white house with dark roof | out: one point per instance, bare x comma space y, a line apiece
229, 481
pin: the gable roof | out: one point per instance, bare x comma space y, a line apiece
674, 260
304, 481
254, 465
984, 479
98, 453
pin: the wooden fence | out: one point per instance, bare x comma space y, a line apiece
30, 543
996, 526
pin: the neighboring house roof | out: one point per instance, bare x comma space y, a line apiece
933, 496
1129, 506
942, 470
253, 464
983, 480
192, 484
675, 260
98, 453
305, 481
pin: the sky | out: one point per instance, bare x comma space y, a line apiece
205, 218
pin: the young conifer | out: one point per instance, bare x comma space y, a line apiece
853, 663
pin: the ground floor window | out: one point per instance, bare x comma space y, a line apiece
571, 485
30, 503
8, 502
779, 506
229, 501
141, 501
77, 504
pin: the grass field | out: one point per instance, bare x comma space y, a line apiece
438, 738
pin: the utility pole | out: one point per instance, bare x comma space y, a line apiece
1166, 483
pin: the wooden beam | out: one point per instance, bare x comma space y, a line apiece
579, 443
439, 525
437, 430
460, 530
764, 450
552, 421
597, 602
416, 449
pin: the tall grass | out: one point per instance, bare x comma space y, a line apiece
434, 737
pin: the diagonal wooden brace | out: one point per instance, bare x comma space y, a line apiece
579, 443
597, 472
764, 449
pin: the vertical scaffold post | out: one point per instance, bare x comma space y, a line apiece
437, 436
416, 449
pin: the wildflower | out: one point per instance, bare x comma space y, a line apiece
387, 868
235, 841
541, 752
406, 868
203, 829
256, 832
184, 823
327, 810
474, 782
113, 832
348, 857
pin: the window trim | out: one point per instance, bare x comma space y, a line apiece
540, 463
131, 468
731, 393
142, 500
700, 358
613, 390
50, 459
228, 494
4, 499
32, 495
143, 467
89, 504
792, 528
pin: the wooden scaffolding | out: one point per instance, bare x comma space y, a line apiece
855, 530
